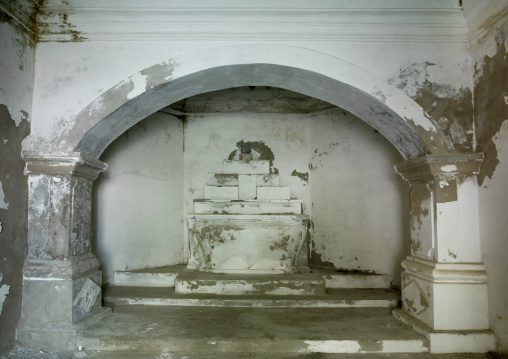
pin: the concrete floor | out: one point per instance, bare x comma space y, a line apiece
24, 353
258, 333
175, 332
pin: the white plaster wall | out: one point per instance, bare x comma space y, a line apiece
493, 209
359, 205
138, 201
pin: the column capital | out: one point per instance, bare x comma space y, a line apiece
74, 163
436, 166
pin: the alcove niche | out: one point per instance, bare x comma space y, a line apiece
339, 166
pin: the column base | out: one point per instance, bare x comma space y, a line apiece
55, 336
445, 296
450, 341
61, 291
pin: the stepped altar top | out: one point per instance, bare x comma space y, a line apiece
248, 223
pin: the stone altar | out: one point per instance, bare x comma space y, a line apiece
247, 223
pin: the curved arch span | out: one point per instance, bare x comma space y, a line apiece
384, 107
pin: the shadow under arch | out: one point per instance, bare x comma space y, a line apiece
383, 106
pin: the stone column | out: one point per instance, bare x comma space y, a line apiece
61, 278
444, 283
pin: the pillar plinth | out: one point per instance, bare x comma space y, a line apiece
62, 283
444, 283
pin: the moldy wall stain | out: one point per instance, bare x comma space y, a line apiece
451, 109
265, 152
491, 103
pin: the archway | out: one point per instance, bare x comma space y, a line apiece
385, 107
337, 165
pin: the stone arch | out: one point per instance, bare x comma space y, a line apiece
383, 106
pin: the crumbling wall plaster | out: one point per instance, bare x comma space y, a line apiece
138, 201
448, 106
489, 52
16, 84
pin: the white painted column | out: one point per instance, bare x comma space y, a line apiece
61, 278
444, 283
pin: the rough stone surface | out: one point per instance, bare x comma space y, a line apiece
16, 86
247, 243
251, 330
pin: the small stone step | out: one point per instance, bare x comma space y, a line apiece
226, 179
268, 193
268, 180
252, 284
247, 187
221, 192
344, 279
248, 207
165, 276
333, 298
149, 277
246, 168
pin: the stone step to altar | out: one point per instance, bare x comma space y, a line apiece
165, 277
274, 331
333, 298
353, 279
248, 207
149, 277
252, 284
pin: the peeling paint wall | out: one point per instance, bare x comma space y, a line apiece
138, 201
449, 107
489, 51
359, 206
16, 85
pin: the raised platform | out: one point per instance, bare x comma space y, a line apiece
332, 298
165, 277
233, 243
252, 284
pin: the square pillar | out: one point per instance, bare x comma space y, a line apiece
444, 283
62, 283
